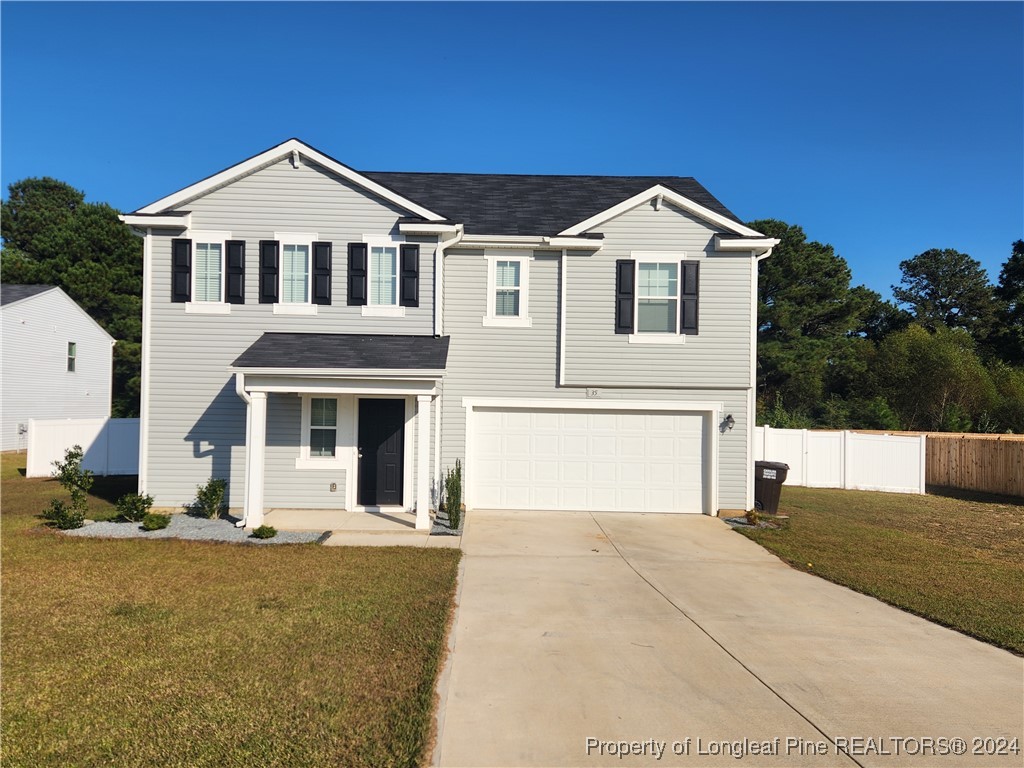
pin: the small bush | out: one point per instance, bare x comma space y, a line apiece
210, 498
77, 482
154, 521
64, 516
134, 507
753, 517
264, 532
453, 495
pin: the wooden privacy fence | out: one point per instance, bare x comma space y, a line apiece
990, 463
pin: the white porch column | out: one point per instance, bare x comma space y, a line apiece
255, 447
423, 462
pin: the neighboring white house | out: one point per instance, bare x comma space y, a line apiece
57, 361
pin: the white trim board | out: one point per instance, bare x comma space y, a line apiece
661, 192
274, 154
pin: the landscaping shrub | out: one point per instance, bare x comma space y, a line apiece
154, 521
134, 507
453, 495
210, 498
264, 532
77, 482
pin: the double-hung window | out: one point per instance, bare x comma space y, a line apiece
383, 275
507, 289
208, 273
294, 273
657, 297
323, 426
72, 356
206, 285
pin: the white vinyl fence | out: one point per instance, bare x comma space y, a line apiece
851, 460
111, 446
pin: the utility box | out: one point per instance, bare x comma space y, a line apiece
768, 479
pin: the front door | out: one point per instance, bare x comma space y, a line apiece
381, 450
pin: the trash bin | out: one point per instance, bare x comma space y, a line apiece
768, 479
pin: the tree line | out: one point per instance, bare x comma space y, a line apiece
946, 355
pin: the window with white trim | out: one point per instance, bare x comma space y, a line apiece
72, 356
657, 297
382, 275
208, 272
508, 289
323, 427
295, 273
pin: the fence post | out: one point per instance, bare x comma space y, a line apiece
844, 454
924, 462
803, 464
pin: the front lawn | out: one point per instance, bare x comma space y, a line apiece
174, 653
956, 561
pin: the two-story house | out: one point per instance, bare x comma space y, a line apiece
323, 338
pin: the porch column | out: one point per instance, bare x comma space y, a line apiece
255, 447
423, 462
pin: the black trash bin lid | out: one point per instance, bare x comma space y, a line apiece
771, 465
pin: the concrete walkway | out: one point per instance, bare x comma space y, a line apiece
579, 637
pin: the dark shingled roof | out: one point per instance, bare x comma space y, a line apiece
497, 204
12, 293
345, 350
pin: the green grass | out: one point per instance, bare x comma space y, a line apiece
174, 653
958, 561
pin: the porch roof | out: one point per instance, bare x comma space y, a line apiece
336, 351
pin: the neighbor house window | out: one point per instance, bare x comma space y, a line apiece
72, 356
507, 285
294, 273
208, 272
323, 426
657, 293
383, 275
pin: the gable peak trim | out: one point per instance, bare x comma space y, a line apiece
662, 194
292, 148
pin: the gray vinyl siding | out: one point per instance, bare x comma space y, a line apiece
196, 421
486, 361
718, 356
36, 381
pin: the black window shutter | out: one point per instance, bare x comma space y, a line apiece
181, 270
235, 293
689, 297
357, 253
625, 271
321, 273
270, 258
410, 295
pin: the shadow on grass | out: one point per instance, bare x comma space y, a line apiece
966, 495
113, 487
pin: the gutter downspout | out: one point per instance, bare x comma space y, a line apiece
442, 246
561, 317
752, 392
240, 391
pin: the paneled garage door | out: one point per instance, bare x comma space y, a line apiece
600, 460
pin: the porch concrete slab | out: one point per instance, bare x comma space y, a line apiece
377, 539
306, 519
667, 627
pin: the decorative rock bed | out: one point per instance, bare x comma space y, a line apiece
193, 529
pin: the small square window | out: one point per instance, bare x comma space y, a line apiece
72, 356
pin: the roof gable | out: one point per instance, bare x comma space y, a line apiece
275, 154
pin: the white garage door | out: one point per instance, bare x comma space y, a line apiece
616, 461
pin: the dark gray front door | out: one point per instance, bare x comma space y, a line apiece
381, 448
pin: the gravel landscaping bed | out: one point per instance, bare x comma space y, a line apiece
441, 525
193, 528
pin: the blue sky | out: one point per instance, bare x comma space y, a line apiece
884, 129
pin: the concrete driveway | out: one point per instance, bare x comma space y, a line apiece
581, 637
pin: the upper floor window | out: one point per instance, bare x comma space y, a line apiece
383, 275
294, 273
72, 356
656, 297
208, 274
507, 289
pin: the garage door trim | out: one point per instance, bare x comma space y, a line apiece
709, 410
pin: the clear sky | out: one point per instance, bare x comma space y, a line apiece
884, 129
